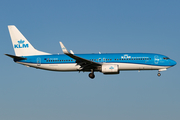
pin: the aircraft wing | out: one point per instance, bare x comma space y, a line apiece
84, 63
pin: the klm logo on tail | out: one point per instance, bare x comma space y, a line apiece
21, 44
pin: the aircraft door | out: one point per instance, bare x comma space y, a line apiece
104, 59
156, 59
38, 61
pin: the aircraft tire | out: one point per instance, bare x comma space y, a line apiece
159, 74
91, 75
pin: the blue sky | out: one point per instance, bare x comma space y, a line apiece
91, 27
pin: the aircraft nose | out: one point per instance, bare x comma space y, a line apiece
173, 63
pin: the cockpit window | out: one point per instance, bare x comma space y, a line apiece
165, 58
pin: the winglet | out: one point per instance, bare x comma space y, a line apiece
71, 52
65, 51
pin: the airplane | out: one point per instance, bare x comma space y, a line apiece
106, 63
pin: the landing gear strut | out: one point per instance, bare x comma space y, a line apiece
159, 74
91, 75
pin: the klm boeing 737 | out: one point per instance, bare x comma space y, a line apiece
110, 63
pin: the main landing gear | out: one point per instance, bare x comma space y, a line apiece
91, 75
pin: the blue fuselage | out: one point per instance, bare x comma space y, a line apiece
131, 58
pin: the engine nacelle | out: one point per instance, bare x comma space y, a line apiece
110, 69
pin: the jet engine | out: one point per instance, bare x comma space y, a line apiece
110, 69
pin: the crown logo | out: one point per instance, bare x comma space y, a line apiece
111, 67
125, 56
21, 41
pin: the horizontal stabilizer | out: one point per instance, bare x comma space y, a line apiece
15, 57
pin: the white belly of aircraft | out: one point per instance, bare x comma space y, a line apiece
131, 66
53, 67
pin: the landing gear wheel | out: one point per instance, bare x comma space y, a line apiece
159, 74
91, 75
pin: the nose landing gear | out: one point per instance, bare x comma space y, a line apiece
159, 74
91, 75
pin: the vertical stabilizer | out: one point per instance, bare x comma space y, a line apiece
21, 45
